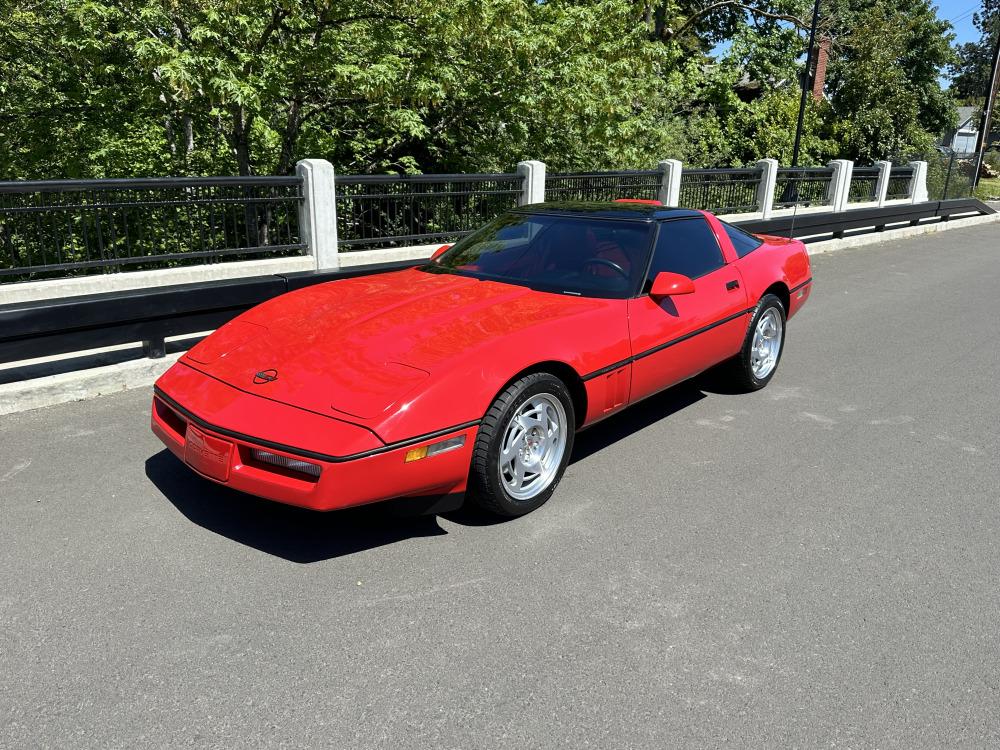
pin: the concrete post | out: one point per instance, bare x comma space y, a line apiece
533, 181
670, 182
318, 212
840, 184
765, 188
918, 183
882, 184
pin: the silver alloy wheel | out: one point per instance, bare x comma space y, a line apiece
766, 344
533, 445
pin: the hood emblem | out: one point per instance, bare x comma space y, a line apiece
265, 376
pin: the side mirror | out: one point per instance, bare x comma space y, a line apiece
667, 284
440, 251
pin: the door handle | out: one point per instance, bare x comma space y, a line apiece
731, 285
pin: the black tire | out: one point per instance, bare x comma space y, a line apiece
486, 488
742, 371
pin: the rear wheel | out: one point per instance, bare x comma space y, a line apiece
757, 361
523, 446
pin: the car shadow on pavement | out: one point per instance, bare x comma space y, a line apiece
306, 536
606, 433
295, 534
636, 418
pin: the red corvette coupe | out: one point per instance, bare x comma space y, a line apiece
469, 375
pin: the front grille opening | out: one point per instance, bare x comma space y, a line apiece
170, 418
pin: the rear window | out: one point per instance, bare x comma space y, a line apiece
742, 242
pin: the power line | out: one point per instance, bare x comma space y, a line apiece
964, 13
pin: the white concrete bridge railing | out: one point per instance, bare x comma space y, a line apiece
761, 192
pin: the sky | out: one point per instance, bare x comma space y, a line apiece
959, 14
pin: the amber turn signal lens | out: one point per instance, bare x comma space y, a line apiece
415, 454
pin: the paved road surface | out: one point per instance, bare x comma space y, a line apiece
813, 565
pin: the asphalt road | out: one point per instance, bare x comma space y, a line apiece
812, 565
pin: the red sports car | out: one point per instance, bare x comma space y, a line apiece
468, 376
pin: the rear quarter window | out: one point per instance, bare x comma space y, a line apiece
687, 247
743, 243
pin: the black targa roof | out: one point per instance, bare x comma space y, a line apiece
608, 210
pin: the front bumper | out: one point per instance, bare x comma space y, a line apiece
226, 456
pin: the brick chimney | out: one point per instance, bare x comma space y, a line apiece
819, 77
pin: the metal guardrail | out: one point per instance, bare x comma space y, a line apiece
52, 327
603, 186
65, 227
723, 191
802, 186
61, 326
818, 226
388, 210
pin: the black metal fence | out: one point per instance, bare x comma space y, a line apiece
75, 227
864, 185
724, 191
802, 186
603, 186
376, 211
949, 175
899, 183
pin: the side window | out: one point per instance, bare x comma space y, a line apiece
686, 246
742, 242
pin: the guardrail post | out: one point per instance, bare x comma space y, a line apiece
765, 188
918, 182
154, 347
670, 182
840, 184
882, 184
532, 182
318, 212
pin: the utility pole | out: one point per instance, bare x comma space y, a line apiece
805, 85
985, 120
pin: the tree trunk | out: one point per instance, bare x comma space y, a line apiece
289, 137
239, 139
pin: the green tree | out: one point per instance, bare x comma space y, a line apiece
883, 84
92, 88
970, 70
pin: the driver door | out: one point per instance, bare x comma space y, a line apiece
679, 336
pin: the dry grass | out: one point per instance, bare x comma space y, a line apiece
988, 189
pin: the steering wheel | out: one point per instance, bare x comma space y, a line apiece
605, 262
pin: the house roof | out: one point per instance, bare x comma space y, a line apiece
966, 118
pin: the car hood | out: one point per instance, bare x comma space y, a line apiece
359, 346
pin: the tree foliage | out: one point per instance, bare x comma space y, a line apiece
883, 80
970, 70
92, 88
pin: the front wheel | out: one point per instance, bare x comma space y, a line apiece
523, 446
757, 361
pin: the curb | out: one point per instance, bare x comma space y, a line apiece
50, 390
877, 238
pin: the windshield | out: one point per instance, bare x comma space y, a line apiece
591, 257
